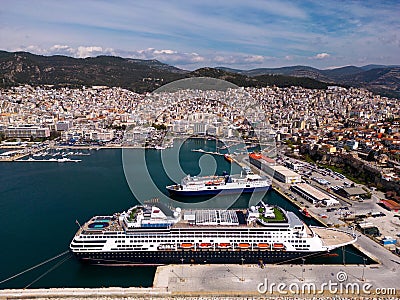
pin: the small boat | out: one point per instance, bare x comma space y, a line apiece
243, 245
160, 147
278, 246
330, 255
263, 245
224, 245
228, 158
305, 213
205, 245
187, 246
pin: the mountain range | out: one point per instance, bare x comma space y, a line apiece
381, 79
147, 75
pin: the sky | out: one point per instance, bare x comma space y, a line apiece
193, 34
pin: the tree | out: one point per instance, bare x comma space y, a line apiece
159, 126
371, 156
54, 134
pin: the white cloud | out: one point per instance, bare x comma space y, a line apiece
184, 59
90, 51
165, 55
78, 52
60, 48
237, 59
164, 51
254, 59
321, 55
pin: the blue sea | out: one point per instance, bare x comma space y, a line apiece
41, 202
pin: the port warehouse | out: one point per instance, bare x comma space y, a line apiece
269, 166
285, 175
312, 194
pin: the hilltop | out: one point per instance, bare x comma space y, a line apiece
147, 75
384, 80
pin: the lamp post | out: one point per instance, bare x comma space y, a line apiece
242, 259
302, 268
363, 273
182, 259
344, 255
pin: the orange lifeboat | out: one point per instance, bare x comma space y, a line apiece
186, 245
278, 246
263, 245
255, 156
243, 245
224, 245
205, 245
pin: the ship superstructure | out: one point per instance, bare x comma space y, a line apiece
155, 234
226, 184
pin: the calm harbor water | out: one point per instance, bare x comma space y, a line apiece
39, 203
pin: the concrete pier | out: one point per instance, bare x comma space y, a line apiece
237, 281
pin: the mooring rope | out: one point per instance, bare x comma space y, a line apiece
34, 267
49, 270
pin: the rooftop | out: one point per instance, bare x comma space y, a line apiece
317, 194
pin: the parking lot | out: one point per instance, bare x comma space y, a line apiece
327, 180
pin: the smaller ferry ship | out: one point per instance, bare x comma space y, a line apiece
226, 184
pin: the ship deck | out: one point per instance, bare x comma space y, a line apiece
333, 238
115, 226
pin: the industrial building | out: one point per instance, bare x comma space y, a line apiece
351, 192
27, 131
269, 166
283, 174
312, 194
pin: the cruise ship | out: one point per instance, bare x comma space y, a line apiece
226, 184
154, 234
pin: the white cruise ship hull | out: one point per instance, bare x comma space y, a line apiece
156, 235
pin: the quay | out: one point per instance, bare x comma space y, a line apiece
207, 152
238, 281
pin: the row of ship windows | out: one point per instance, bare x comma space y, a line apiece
182, 238
211, 241
297, 241
205, 234
191, 235
199, 254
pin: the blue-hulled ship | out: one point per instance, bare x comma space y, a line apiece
226, 184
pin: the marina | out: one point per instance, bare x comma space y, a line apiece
207, 152
58, 160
